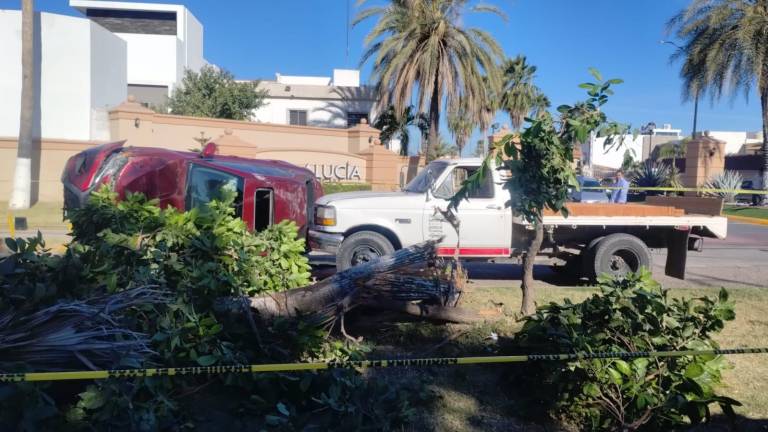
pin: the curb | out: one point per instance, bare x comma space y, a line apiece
749, 220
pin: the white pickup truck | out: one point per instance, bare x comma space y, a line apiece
360, 226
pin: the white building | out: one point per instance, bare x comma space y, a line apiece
84, 66
597, 158
80, 72
338, 102
738, 142
163, 40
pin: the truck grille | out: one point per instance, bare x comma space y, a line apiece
310, 206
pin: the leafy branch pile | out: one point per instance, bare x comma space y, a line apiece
189, 259
630, 314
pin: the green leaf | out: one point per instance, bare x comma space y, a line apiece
614, 375
283, 409
595, 73
91, 399
591, 389
694, 370
207, 360
623, 367
11, 244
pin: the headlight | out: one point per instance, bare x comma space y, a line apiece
325, 215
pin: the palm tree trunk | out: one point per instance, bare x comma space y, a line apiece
764, 107
528, 306
434, 120
22, 177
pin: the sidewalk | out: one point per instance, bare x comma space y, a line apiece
749, 220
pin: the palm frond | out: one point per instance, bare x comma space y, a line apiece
75, 334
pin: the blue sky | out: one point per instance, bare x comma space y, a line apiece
256, 38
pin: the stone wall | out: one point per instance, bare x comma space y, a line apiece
345, 155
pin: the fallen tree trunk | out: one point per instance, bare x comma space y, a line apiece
392, 282
449, 314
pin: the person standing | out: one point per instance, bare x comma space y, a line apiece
619, 195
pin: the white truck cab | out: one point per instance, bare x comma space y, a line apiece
360, 226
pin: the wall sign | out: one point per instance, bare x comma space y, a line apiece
334, 172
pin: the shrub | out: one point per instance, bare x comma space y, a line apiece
630, 314
728, 180
333, 187
193, 258
651, 174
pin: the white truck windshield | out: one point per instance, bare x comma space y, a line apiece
423, 180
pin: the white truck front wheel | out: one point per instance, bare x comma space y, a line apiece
362, 247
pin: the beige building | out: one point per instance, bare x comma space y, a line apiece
351, 154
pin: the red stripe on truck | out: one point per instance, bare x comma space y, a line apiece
469, 251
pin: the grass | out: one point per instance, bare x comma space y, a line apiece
41, 215
44, 216
334, 187
753, 212
468, 398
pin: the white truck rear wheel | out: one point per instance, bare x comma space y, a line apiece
619, 254
362, 247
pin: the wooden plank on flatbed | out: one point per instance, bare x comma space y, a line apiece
710, 206
610, 209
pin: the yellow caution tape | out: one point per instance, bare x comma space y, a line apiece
297, 367
673, 189
11, 224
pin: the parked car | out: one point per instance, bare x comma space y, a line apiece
268, 191
753, 199
360, 226
589, 195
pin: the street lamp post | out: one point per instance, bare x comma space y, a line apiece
695, 93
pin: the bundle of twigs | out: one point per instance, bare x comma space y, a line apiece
407, 281
73, 334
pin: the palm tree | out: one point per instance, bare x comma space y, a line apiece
460, 125
442, 149
421, 47
725, 50
21, 195
520, 97
489, 109
394, 125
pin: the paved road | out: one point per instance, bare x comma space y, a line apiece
739, 260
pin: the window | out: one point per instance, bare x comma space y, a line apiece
263, 209
297, 117
354, 118
205, 185
456, 177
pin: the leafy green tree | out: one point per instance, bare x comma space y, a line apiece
442, 149
460, 125
479, 150
489, 109
422, 47
520, 97
540, 160
725, 50
394, 125
214, 93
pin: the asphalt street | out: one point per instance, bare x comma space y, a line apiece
737, 261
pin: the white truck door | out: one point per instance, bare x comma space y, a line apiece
485, 224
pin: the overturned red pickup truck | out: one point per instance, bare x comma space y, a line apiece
268, 191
